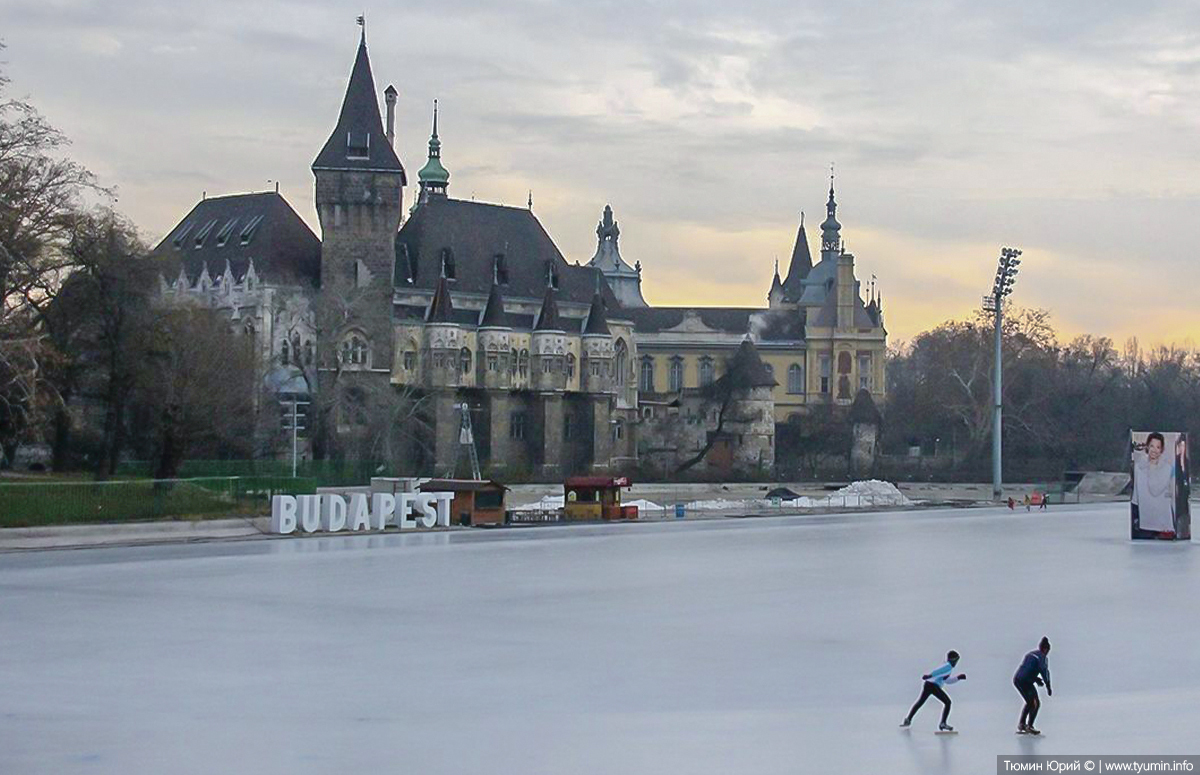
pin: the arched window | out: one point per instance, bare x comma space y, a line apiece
297, 351
285, 352
512, 364
618, 430
448, 270
464, 360
621, 364
570, 365
248, 327
795, 379
355, 350
646, 376
706, 371
310, 352
770, 370
676, 374
523, 364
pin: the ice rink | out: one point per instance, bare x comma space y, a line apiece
780, 645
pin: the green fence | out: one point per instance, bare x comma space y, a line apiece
326, 473
25, 504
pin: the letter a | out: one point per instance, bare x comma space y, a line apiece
361, 519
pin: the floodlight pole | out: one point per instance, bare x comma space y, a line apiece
1006, 276
997, 402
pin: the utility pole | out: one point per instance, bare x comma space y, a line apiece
1006, 277
292, 422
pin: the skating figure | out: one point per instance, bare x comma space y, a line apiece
1034, 668
934, 681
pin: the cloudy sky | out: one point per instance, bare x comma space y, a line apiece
1070, 129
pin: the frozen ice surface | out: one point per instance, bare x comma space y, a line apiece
781, 645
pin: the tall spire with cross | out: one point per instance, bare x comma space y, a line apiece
831, 239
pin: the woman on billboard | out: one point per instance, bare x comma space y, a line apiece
1154, 485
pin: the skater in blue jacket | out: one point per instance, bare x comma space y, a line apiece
934, 681
1034, 669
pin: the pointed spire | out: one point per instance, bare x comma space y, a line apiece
433, 177
359, 141
493, 312
748, 369
547, 319
800, 264
597, 320
830, 229
440, 309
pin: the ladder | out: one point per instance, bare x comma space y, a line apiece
466, 438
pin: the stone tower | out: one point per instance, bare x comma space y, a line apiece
359, 197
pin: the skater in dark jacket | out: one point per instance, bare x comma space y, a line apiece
934, 682
1034, 669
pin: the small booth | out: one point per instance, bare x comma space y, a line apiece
476, 501
595, 497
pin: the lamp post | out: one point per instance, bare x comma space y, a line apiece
1006, 277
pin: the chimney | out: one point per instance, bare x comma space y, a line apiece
389, 96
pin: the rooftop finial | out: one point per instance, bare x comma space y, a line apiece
801, 219
831, 181
361, 21
435, 119
529, 202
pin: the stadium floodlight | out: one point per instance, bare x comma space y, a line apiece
1006, 278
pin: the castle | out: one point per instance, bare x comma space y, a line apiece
456, 307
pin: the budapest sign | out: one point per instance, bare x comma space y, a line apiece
331, 513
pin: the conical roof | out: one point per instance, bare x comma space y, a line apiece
548, 315
863, 410
493, 311
359, 127
747, 369
440, 309
801, 263
597, 320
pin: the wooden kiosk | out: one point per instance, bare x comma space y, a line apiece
594, 498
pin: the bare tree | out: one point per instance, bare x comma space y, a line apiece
40, 192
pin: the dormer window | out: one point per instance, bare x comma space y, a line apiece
203, 233
223, 234
552, 275
358, 145
182, 235
448, 264
403, 271
250, 229
500, 269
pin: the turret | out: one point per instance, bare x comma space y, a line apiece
549, 346
446, 356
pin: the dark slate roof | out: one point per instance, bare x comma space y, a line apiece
360, 117
469, 318
826, 316
493, 311
475, 233
440, 308
547, 319
799, 267
597, 322
280, 243
764, 325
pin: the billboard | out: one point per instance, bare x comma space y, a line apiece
1159, 504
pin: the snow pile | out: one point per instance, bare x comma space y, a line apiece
644, 506
871, 492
